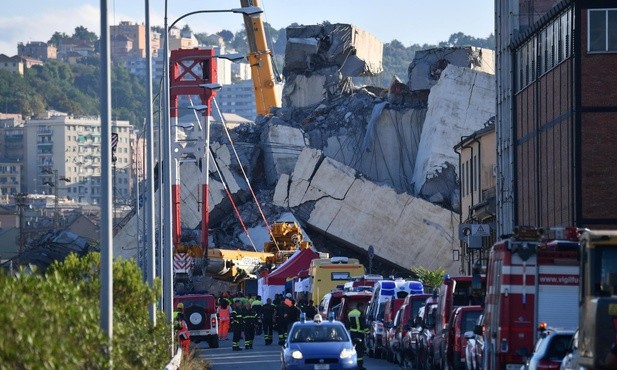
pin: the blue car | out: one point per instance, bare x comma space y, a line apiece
318, 345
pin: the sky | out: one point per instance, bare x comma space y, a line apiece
408, 21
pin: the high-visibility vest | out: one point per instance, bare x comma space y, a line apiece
224, 313
183, 332
354, 321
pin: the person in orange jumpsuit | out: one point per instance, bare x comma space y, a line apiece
184, 337
223, 312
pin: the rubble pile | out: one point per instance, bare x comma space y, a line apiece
359, 165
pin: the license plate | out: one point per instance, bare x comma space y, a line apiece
321, 367
513, 367
199, 332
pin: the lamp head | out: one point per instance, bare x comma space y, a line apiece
213, 87
248, 10
234, 57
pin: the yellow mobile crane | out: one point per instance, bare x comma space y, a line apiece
261, 62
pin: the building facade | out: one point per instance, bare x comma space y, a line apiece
238, 98
38, 50
557, 113
477, 164
65, 152
10, 178
12, 64
135, 33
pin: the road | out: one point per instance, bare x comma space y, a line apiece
261, 357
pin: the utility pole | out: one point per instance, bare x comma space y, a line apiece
21, 200
56, 199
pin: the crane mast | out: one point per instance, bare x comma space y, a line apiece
260, 60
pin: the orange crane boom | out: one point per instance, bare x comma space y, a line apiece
260, 60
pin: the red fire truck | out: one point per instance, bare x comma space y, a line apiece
529, 280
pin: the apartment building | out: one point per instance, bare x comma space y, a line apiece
10, 177
238, 98
12, 136
556, 113
64, 152
136, 36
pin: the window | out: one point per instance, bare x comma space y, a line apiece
340, 276
602, 30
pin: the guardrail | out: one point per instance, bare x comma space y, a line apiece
175, 362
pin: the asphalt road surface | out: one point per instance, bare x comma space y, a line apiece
261, 357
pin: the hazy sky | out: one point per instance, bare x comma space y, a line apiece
409, 21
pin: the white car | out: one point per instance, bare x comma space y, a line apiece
551, 347
570, 361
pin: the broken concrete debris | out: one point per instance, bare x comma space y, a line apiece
353, 51
321, 59
360, 165
426, 68
361, 213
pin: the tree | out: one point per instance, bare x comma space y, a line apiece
430, 279
56, 37
186, 30
227, 35
82, 33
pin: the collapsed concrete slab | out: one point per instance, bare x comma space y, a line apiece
427, 65
305, 90
386, 150
458, 104
353, 51
282, 145
404, 230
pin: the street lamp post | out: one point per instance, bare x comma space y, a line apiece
166, 207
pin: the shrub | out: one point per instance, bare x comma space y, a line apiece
52, 321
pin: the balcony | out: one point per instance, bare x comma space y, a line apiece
486, 209
14, 138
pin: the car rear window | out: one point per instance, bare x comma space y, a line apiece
558, 347
207, 304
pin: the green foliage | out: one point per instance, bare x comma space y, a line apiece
52, 321
73, 89
430, 279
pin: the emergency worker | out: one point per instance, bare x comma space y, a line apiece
250, 321
267, 320
281, 325
184, 337
224, 313
293, 315
357, 329
179, 310
309, 309
257, 305
237, 323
